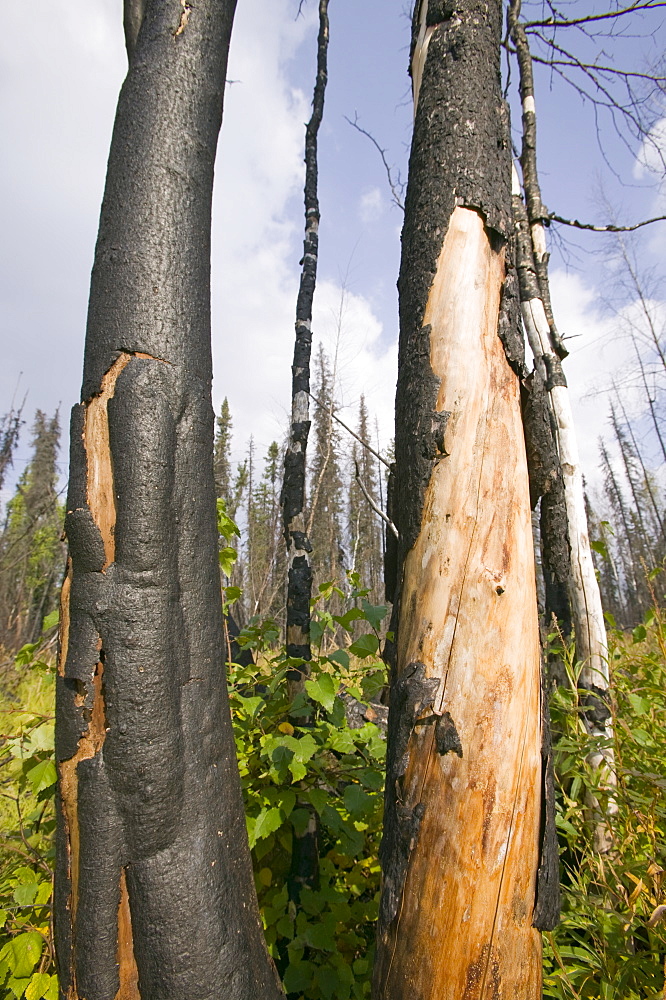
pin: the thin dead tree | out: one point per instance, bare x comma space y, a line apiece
299, 580
463, 802
548, 350
154, 894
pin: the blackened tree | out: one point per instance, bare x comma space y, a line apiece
154, 894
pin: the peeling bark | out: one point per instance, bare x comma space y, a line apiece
463, 798
154, 894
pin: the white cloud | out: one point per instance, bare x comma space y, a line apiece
371, 205
601, 355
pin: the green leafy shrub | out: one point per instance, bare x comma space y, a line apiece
301, 761
611, 942
27, 782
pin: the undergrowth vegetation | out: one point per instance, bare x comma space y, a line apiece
312, 767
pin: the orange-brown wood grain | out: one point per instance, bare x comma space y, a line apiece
469, 613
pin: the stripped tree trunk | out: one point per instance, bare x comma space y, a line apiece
299, 581
464, 776
548, 349
154, 895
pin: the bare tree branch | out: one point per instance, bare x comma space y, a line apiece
554, 22
350, 431
372, 503
397, 186
610, 228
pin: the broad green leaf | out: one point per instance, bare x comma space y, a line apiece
38, 986
340, 657
267, 822
298, 977
349, 616
356, 800
227, 557
42, 776
23, 952
24, 894
41, 738
640, 705
52, 992
639, 633
374, 613
50, 621
322, 689
365, 645
319, 798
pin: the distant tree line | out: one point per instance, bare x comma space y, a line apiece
627, 514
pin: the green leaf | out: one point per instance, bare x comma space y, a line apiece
298, 770
600, 547
343, 742
226, 527
24, 894
340, 657
38, 986
22, 953
42, 776
349, 616
298, 977
356, 800
299, 819
25, 654
365, 645
641, 706
322, 689
639, 633
267, 822
50, 621
227, 557
374, 613
319, 798
52, 992
232, 594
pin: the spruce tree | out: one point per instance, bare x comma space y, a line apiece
222, 456
31, 553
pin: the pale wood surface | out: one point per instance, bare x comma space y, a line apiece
469, 613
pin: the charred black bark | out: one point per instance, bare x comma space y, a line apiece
299, 581
460, 155
149, 795
536, 210
452, 162
548, 897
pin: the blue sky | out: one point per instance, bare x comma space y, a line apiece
61, 67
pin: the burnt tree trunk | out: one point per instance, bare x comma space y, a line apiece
154, 894
299, 580
464, 774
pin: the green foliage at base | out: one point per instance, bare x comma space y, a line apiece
27, 783
611, 942
303, 767
306, 772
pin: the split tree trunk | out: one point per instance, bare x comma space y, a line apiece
154, 894
464, 775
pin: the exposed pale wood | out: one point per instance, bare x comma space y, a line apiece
90, 744
468, 612
100, 472
127, 970
420, 52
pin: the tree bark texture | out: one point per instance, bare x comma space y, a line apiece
299, 581
154, 894
464, 775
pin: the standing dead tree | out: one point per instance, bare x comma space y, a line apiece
154, 895
299, 581
463, 804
